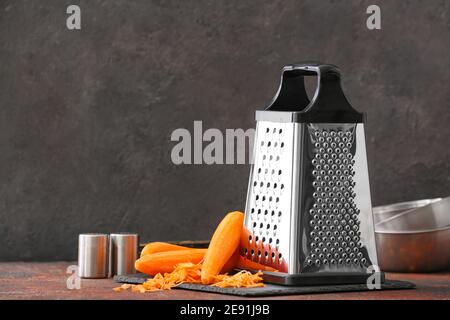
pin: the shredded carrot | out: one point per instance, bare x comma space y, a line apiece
122, 287
184, 272
191, 273
241, 279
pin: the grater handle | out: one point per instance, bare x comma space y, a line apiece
312, 68
328, 104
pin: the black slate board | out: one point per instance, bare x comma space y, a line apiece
271, 289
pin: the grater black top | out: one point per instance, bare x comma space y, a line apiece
328, 105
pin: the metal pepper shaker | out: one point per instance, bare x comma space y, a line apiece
123, 253
93, 255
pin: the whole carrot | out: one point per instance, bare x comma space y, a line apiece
154, 247
231, 263
162, 262
223, 245
246, 264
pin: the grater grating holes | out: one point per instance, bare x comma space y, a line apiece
334, 216
267, 189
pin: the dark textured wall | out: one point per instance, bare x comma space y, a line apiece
86, 116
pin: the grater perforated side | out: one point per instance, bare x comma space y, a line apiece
268, 207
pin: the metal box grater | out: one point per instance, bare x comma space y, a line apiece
308, 210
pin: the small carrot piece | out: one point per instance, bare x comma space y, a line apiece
246, 264
154, 247
223, 245
162, 262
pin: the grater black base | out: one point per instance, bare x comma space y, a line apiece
315, 279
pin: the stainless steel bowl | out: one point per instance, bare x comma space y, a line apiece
383, 212
413, 236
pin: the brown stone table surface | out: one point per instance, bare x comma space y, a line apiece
47, 280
